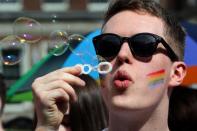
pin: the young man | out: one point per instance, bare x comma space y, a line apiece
145, 47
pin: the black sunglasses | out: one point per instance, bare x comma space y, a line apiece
141, 45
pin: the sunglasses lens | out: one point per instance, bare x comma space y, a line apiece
143, 45
107, 46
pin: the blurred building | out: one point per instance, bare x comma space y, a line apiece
74, 16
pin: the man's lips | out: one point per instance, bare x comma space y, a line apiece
121, 84
121, 80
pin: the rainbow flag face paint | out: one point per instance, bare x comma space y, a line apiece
156, 78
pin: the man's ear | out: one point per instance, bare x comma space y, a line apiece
178, 72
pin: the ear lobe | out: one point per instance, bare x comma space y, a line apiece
178, 73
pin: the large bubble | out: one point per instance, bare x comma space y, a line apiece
27, 29
74, 40
11, 50
89, 61
58, 42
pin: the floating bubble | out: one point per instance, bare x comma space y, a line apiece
81, 47
74, 40
27, 29
11, 49
54, 19
58, 42
100, 58
96, 59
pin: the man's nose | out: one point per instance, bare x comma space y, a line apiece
125, 54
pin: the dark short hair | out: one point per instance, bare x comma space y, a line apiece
2, 92
174, 33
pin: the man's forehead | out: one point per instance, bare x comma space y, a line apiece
128, 23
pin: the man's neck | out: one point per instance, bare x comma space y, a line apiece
153, 120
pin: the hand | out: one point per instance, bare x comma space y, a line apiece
52, 94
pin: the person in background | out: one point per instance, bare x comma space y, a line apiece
183, 109
89, 112
145, 46
2, 99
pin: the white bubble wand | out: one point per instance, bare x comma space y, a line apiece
102, 68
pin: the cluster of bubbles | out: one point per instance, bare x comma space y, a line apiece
29, 31
25, 30
60, 42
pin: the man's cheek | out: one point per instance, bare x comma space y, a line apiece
156, 78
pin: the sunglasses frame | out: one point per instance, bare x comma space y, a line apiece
158, 39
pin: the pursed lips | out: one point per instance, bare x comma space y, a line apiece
122, 80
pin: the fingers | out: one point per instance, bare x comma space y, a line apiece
62, 78
76, 70
67, 74
56, 85
53, 92
58, 99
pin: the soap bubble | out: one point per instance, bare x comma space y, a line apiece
81, 47
11, 50
96, 59
74, 40
100, 58
58, 42
27, 29
54, 19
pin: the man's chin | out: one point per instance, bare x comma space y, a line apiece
119, 104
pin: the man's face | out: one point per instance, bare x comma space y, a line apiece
141, 83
